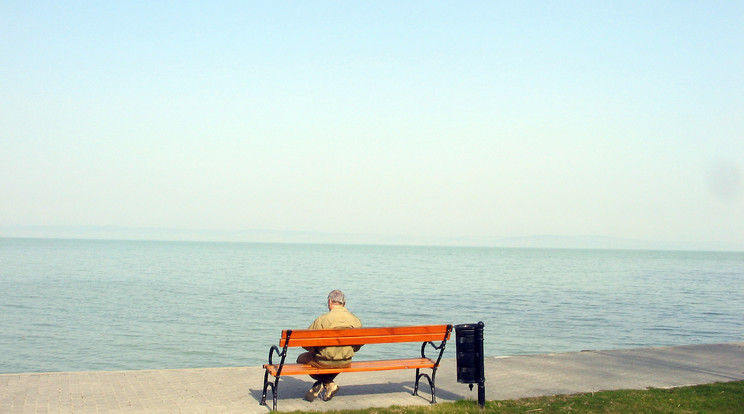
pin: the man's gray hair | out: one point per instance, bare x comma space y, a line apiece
337, 296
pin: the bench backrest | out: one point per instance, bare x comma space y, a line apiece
362, 336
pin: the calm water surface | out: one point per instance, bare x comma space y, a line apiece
78, 305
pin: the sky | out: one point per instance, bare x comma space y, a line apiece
415, 121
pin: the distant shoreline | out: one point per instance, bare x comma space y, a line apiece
300, 237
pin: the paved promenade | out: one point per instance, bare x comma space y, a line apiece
238, 390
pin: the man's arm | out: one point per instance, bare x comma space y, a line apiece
317, 324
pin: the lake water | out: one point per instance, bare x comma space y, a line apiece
87, 305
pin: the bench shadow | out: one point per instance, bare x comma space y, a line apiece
290, 387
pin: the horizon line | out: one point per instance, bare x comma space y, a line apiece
272, 236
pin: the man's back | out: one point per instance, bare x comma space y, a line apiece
336, 318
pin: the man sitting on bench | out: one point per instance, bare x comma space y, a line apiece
330, 356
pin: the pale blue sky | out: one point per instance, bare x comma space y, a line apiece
421, 120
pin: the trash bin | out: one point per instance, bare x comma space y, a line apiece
470, 363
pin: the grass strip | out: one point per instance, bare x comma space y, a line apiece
727, 397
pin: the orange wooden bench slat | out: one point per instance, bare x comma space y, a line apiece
362, 340
356, 366
388, 330
361, 336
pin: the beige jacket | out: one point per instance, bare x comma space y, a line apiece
336, 318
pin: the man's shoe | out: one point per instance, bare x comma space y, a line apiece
313, 392
330, 390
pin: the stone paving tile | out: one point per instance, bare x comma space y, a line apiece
238, 390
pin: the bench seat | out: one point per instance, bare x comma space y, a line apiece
356, 366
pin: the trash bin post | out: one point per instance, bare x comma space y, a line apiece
470, 359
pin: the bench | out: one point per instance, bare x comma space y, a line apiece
435, 336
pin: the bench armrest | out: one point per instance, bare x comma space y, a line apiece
439, 347
274, 349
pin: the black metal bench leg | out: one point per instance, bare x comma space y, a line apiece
274, 386
415, 387
432, 385
266, 385
274, 390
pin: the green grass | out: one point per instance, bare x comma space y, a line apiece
712, 398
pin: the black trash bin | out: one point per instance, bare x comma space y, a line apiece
470, 363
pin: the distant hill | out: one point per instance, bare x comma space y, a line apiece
300, 237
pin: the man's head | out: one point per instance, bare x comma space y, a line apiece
336, 298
